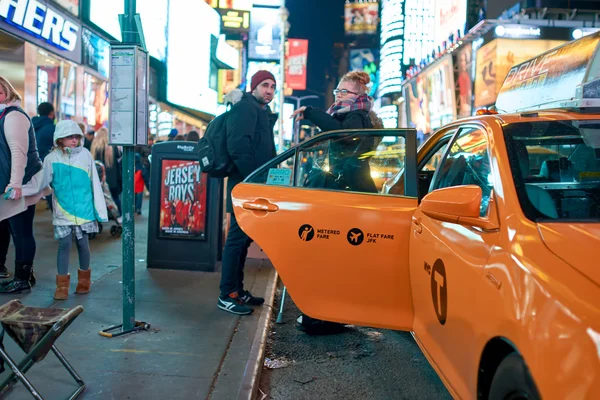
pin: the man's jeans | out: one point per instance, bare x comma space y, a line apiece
234, 259
20, 227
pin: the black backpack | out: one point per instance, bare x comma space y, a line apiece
212, 149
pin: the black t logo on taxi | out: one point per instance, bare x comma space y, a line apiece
355, 236
306, 233
439, 290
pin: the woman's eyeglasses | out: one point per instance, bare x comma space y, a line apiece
342, 91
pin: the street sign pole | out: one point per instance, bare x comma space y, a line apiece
128, 127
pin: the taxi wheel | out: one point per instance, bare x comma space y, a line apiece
513, 381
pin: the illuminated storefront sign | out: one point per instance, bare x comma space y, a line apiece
419, 32
234, 20
392, 46
389, 116
518, 31
43, 24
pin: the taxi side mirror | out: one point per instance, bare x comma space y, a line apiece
459, 205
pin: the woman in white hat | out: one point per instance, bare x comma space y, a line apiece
78, 203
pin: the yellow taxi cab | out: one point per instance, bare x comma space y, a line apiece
490, 260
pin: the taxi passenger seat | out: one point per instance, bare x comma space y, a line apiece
540, 198
560, 170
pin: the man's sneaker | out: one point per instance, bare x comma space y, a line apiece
234, 305
247, 298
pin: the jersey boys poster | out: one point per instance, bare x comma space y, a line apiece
183, 200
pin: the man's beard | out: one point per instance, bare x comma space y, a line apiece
262, 100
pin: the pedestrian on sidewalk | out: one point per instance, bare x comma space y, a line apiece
138, 184
43, 124
21, 178
78, 203
250, 144
110, 157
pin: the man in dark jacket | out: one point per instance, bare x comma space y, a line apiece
43, 125
44, 129
250, 144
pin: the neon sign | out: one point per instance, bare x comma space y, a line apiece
41, 21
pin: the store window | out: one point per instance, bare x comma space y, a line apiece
48, 82
67, 91
95, 101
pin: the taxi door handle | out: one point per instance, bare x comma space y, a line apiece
260, 206
417, 224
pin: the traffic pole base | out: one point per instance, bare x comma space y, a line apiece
110, 332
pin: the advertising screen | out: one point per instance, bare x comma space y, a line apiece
440, 88
182, 200
389, 116
234, 21
416, 98
366, 60
105, 14
361, 18
189, 72
96, 52
496, 58
296, 64
450, 17
264, 40
464, 82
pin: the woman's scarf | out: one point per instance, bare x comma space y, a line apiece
362, 102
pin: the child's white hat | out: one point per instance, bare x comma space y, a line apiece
66, 128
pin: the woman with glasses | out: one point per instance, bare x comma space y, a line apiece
352, 108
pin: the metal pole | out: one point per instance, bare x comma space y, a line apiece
298, 101
281, 85
128, 166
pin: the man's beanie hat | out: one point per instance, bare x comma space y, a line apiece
260, 77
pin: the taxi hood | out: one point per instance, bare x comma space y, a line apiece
578, 244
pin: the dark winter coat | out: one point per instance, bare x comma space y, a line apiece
114, 177
348, 171
250, 141
44, 135
34, 164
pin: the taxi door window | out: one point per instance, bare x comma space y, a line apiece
467, 163
354, 163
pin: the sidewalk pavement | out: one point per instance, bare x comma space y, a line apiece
193, 349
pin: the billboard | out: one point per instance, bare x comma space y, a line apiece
419, 31
366, 60
361, 18
295, 76
96, 52
450, 18
189, 72
182, 200
417, 105
264, 40
496, 58
464, 81
440, 90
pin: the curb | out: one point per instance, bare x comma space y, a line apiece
257, 351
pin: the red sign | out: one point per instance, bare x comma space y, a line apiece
182, 200
295, 75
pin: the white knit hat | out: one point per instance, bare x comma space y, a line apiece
66, 128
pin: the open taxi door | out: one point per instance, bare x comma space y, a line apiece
339, 246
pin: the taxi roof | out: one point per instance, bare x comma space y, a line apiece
565, 77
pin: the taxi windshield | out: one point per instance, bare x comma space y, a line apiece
556, 168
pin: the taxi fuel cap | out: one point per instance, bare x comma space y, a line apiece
565, 77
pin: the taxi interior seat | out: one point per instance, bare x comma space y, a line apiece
539, 198
560, 170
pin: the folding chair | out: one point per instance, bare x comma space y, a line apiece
35, 330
